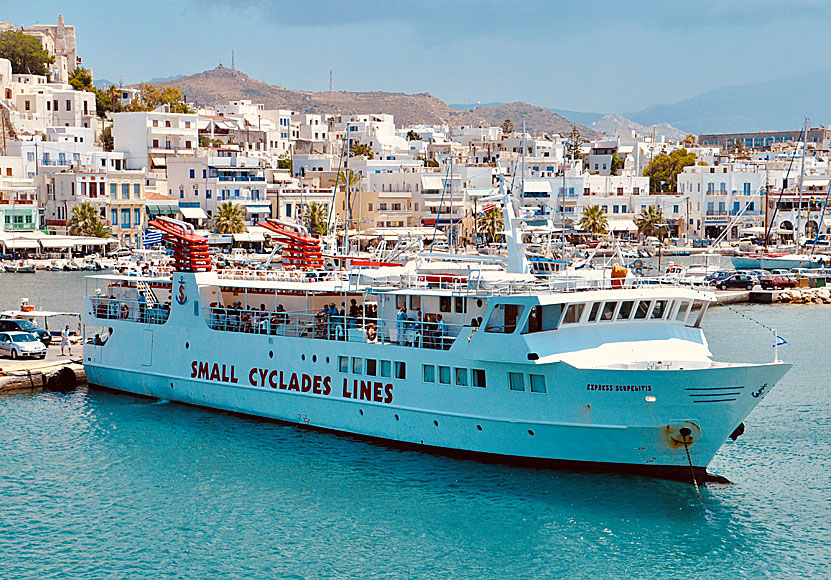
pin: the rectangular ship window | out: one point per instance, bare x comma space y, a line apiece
371, 367
461, 377
682, 311
659, 309
428, 374
537, 384
478, 378
573, 313
343, 364
642, 310
595, 312
444, 375
400, 370
386, 368
357, 365
625, 310
608, 311
516, 381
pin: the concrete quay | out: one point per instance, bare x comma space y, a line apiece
54, 373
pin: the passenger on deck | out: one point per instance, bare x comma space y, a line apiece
401, 322
438, 333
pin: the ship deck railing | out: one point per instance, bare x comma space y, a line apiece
411, 333
132, 310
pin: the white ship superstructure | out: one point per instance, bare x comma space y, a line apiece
615, 378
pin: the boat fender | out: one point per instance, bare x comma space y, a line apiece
62, 381
125, 310
371, 332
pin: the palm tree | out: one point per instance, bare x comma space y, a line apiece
594, 220
230, 219
490, 224
83, 219
651, 221
100, 230
317, 219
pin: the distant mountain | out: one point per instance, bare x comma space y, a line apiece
220, 85
470, 106
165, 79
776, 105
614, 125
103, 83
578, 117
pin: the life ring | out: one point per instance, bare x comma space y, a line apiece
125, 310
371, 332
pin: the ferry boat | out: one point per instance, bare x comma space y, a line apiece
617, 377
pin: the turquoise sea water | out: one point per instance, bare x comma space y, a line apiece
100, 485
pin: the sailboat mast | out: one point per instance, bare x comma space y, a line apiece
801, 180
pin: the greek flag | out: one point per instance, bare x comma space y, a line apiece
779, 340
152, 238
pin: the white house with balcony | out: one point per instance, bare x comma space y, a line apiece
150, 138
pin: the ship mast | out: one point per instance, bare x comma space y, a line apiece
801, 180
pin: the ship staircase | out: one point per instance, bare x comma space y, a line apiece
190, 251
299, 249
149, 295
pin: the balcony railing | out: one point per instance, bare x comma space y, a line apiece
132, 310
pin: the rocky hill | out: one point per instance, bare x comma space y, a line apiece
220, 85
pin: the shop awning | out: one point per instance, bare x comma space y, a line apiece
162, 209
193, 213
536, 186
431, 182
258, 209
622, 226
249, 237
20, 244
56, 242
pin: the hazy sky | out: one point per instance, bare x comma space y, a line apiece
581, 55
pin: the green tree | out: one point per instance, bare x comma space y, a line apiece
151, 97
650, 222
26, 53
106, 100
594, 220
81, 80
689, 140
507, 127
230, 219
316, 219
737, 146
664, 169
284, 160
347, 178
361, 150
574, 143
83, 219
490, 224
617, 164
100, 230
413, 136
428, 162
107, 138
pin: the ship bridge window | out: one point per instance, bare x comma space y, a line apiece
477, 378
386, 368
542, 318
594, 314
415, 302
696, 313
681, 315
371, 367
537, 383
357, 365
659, 309
461, 377
400, 370
504, 318
573, 313
343, 364
625, 309
444, 303
516, 381
444, 375
461, 305
642, 310
428, 374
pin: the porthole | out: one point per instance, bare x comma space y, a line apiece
397, 417
314, 358
479, 427
302, 357
436, 423
271, 354
479, 302
187, 345
327, 359
531, 432
361, 411
171, 385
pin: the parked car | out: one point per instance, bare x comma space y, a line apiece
776, 282
736, 281
22, 325
120, 253
21, 344
715, 277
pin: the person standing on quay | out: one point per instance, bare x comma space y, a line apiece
65, 341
